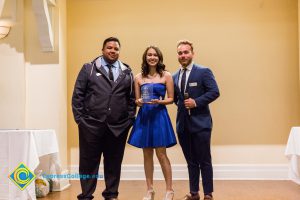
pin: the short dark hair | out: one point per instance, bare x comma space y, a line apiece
109, 40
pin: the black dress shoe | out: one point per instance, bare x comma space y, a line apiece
192, 197
208, 197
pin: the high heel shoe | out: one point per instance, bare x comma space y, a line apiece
150, 195
169, 195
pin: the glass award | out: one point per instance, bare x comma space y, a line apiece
147, 93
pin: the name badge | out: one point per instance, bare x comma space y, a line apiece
193, 84
98, 74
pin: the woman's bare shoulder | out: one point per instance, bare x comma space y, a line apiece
138, 76
167, 74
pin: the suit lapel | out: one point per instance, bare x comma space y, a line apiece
123, 71
176, 80
103, 71
122, 75
100, 67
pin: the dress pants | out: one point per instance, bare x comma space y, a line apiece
196, 150
95, 141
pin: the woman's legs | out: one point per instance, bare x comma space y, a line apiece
148, 167
164, 161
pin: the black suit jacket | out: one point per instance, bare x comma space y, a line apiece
98, 100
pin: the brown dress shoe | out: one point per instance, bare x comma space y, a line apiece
208, 197
190, 197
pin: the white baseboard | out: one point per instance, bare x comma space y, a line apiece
221, 172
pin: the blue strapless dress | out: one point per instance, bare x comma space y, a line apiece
152, 127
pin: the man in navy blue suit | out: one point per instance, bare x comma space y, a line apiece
195, 87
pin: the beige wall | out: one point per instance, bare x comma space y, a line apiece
299, 40
12, 88
33, 86
251, 46
32, 45
12, 79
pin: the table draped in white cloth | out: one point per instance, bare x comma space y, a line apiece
28, 147
292, 151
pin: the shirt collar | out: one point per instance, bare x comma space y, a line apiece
189, 67
104, 63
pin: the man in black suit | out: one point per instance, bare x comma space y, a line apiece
195, 87
103, 105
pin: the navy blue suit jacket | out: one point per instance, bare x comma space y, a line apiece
202, 87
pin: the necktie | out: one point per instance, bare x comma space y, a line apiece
183, 80
110, 73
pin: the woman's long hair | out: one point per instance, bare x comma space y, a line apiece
160, 68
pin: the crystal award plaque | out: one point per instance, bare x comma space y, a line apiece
147, 93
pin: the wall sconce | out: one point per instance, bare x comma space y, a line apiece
5, 26
4, 30
8, 19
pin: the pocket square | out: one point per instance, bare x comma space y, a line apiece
193, 84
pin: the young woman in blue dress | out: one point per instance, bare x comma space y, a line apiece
152, 130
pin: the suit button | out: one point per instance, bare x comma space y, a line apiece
108, 108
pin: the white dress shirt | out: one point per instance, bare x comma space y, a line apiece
188, 71
115, 68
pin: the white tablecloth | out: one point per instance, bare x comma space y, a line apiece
292, 151
28, 147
